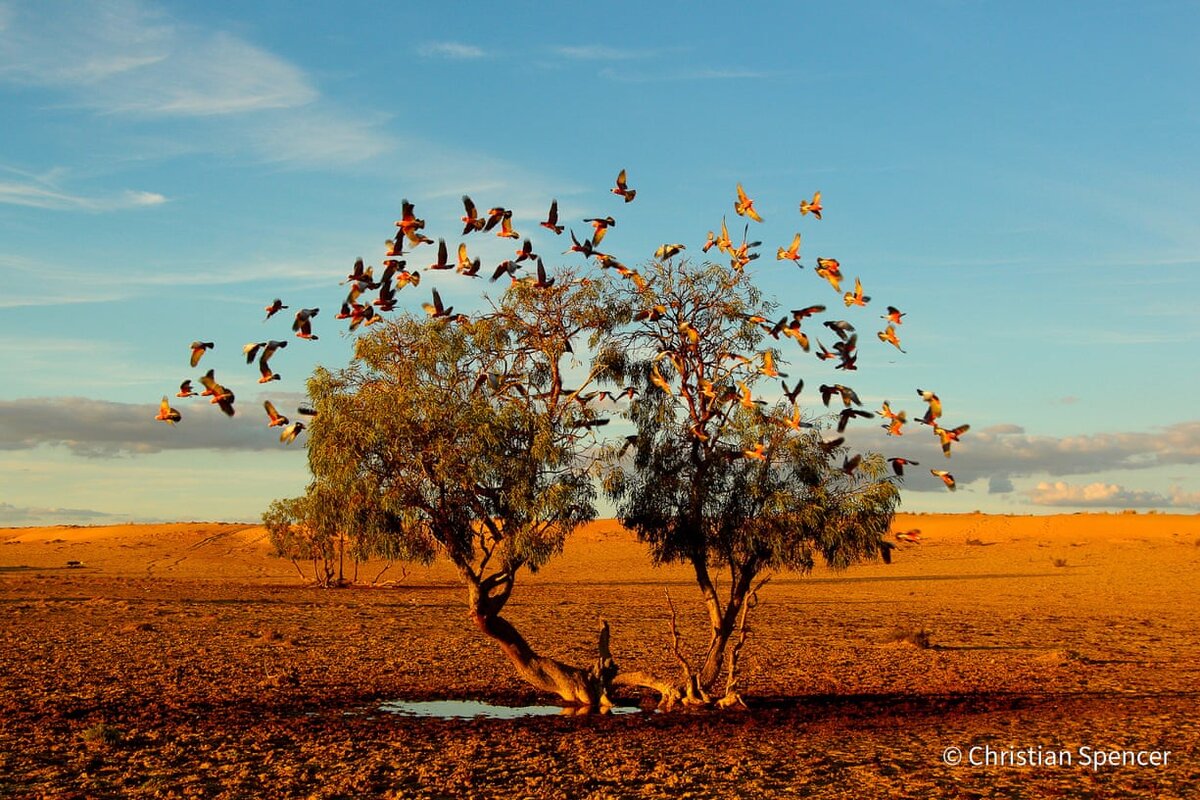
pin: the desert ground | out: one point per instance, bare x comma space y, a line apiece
186, 660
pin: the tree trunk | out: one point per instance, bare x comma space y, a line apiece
574, 685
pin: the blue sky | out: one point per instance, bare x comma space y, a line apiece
1021, 178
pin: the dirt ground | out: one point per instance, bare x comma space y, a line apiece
185, 661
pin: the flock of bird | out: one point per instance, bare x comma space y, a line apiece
360, 309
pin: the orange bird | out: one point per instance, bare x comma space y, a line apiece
813, 208
758, 452
658, 380
275, 307
601, 224
167, 414
744, 206
623, 189
220, 395
465, 265
830, 270
856, 297
198, 349
185, 390
768, 367
303, 324
506, 229
948, 436
792, 253
471, 220
668, 251
889, 336
912, 537
893, 315
935, 406
275, 418
946, 477
898, 465
551, 222
408, 221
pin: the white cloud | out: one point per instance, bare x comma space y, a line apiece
140, 63
1095, 495
597, 52
34, 194
452, 50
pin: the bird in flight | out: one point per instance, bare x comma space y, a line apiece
622, 189
289, 433
471, 220
166, 413
813, 207
946, 477
898, 465
274, 418
744, 206
889, 336
856, 297
551, 222
221, 396
935, 406
948, 436
273, 309
186, 390
436, 309
198, 350
668, 250
303, 324
830, 270
791, 253
893, 315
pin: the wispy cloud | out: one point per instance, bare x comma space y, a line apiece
703, 74
34, 195
141, 63
452, 50
598, 52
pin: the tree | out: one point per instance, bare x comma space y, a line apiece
720, 479
477, 438
457, 437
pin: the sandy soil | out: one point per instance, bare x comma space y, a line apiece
185, 661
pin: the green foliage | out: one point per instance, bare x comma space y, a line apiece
456, 438
690, 492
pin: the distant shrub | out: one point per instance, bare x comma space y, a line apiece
103, 734
975, 542
1060, 562
917, 637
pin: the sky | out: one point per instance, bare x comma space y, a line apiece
1021, 178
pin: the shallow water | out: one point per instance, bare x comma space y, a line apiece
470, 709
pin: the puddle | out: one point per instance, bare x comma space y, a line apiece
472, 709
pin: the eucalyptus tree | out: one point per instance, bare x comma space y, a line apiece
459, 437
720, 478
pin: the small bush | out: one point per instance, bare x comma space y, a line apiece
103, 734
917, 637
1060, 562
